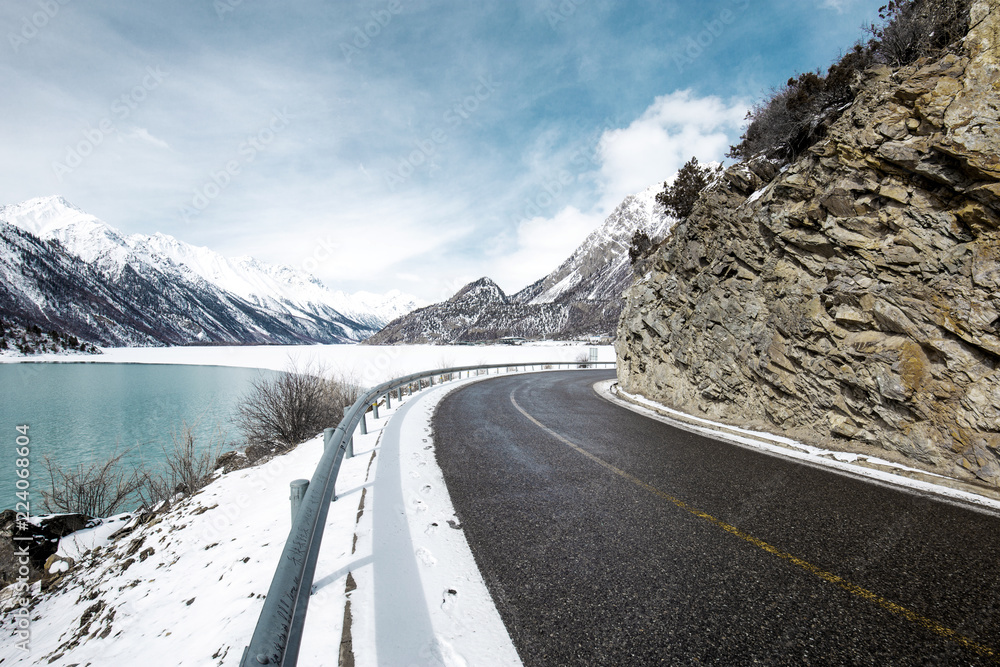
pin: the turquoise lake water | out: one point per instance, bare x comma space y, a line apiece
77, 413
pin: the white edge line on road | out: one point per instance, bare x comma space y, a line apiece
802, 453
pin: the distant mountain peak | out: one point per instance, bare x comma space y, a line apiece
599, 269
483, 290
582, 297
42, 216
49, 201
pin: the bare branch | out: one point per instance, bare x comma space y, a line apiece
294, 406
97, 490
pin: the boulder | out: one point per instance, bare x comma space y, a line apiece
42, 542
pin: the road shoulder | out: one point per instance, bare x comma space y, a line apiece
426, 601
870, 468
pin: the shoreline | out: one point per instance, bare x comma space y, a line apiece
367, 364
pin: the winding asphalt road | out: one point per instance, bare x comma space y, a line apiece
607, 538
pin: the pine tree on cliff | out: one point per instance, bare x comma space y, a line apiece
679, 197
641, 244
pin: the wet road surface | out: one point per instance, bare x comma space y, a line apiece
607, 538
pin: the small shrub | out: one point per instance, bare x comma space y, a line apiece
679, 197
294, 406
797, 115
640, 246
188, 469
98, 489
913, 29
445, 361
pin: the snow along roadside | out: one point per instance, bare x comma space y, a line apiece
187, 587
420, 597
858, 465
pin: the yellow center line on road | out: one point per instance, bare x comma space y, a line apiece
837, 580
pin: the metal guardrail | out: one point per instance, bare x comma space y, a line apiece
278, 634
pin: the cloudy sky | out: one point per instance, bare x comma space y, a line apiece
411, 144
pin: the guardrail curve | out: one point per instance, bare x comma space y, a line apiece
278, 633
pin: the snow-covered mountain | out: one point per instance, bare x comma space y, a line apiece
38, 274
599, 269
480, 311
279, 287
219, 299
378, 309
582, 297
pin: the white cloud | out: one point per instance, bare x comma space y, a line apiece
143, 134
658, 143
651, 149
542, 245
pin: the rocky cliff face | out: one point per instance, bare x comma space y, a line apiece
854, 298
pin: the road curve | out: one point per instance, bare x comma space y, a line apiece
608, 538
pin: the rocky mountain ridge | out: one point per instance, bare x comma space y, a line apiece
479, 312
852, 300
68, 270
580, 298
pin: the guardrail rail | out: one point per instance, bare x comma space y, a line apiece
278, 633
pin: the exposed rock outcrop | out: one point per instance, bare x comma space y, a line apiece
853, 299
38, 538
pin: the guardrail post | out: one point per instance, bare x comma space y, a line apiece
388, 400
299, 487
432, 380
350, 440
364, 423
